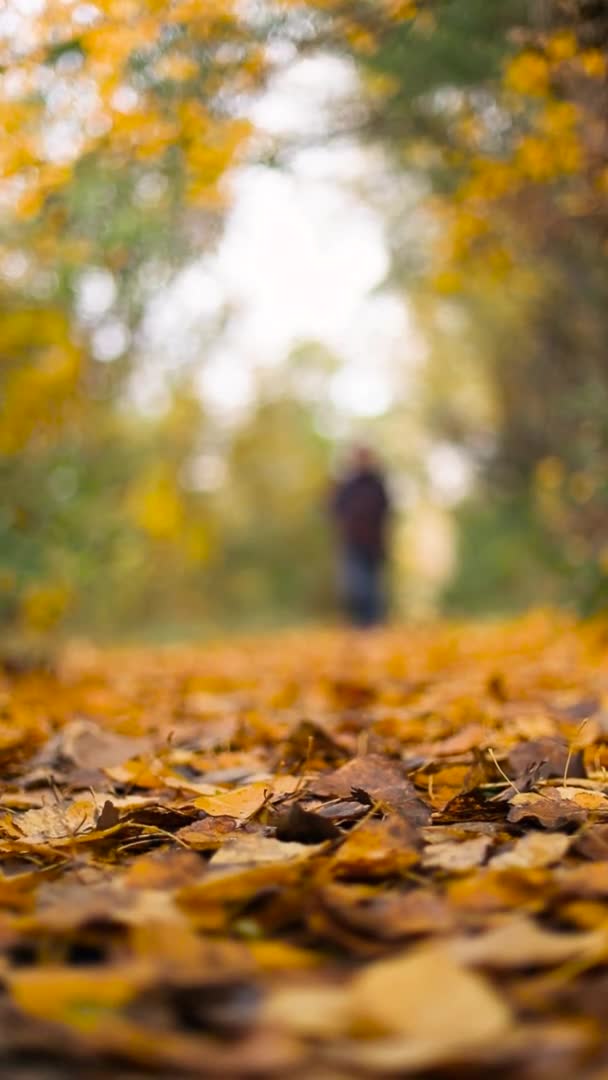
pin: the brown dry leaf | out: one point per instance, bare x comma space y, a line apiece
426, 995
209, 833
244, 802
375, 849
470, 737
422, 1004
533, 849
381, 915
253, 850
144, 772
87, 745
181, 957
522, 943
590, 879
173, 900
587, 800
592, 842
164, 869
549, 808
541, 757
53, 822
382, 780
305, 826
314, 1011
492, 890
457, 856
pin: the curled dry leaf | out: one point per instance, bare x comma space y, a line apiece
549, 808
541, 758
381, 779
586, 800
209, 833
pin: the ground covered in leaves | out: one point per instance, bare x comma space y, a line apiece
324, 856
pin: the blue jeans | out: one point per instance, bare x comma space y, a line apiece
361, 586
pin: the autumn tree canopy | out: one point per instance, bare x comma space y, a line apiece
122, 122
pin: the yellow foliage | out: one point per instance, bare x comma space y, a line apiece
466, 228
399, 10
490, 180
593, 63
562, 46
196, 544
540, 160
360, 39
177, 67
156, 507
528, 73
558, 118
41, 386
44, 605
116, 113
447, 281
549, 473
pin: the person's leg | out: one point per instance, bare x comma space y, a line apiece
355, 581
377, 608
374, 605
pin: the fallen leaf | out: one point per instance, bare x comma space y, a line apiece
457, 856
53, 822
313, 1011
427, 995
549, 808
387, 915
209, 833
244, 802
522, 943
382, 780
254, 850
80, 997
533, 849
304, 826
374, 849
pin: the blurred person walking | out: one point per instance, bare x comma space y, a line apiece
360, 508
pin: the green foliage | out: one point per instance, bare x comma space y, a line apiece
506, 558
463, 47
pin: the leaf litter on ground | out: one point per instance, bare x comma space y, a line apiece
328, 853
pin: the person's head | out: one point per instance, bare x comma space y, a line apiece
362, 458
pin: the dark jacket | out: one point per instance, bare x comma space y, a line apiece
360, 507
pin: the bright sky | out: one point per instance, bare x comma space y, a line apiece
302, 258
